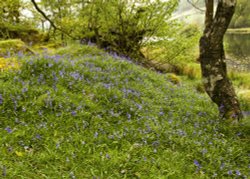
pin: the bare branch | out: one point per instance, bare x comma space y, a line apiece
195, 6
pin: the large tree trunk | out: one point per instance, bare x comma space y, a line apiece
212, 58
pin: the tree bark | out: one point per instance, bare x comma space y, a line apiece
212, 59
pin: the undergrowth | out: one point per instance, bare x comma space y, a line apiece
100, 116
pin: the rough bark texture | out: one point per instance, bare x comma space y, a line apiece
212, 58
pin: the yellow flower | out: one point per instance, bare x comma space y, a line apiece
19, 154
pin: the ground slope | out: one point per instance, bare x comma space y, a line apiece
97, 115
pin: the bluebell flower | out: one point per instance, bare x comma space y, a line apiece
73, 113
1, 99
8, 129
196, 163
24, 90
38, 136
161, 113
238, 172
222, 166
107, 156
128, 116
96, 134
230, 172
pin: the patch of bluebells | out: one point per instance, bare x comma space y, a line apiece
155, 118
1, 99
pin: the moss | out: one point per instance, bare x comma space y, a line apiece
13, 46
174, 78
12, 43
21, 31
8, 63
200, 88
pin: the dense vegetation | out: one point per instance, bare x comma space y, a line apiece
242, 17
110, 89
83, 113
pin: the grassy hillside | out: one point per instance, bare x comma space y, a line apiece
83, 113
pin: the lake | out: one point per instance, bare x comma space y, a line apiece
238, 51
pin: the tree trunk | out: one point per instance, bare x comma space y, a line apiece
212, 59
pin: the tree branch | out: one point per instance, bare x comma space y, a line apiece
209, 14
48, 19
195, 6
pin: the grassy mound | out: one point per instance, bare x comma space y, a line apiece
103, 117
13, 46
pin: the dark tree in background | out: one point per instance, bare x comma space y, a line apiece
212, 58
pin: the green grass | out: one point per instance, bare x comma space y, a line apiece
80, 115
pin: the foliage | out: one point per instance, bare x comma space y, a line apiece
177, 47
241, 17
13, 46
102, 116
121, 26
10, 11
12, 23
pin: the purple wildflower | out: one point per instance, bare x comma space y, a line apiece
73, 113
1, 99
222, 166
238, 172
24, 90
230, 172
221, 108
96, 134
57, 145
38, 136
128, 116
107, 156
8, 129
161, 113
197, 164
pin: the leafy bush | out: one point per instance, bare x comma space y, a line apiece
23, 32
176, 47
126, 26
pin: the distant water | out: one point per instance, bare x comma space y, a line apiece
238, 51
